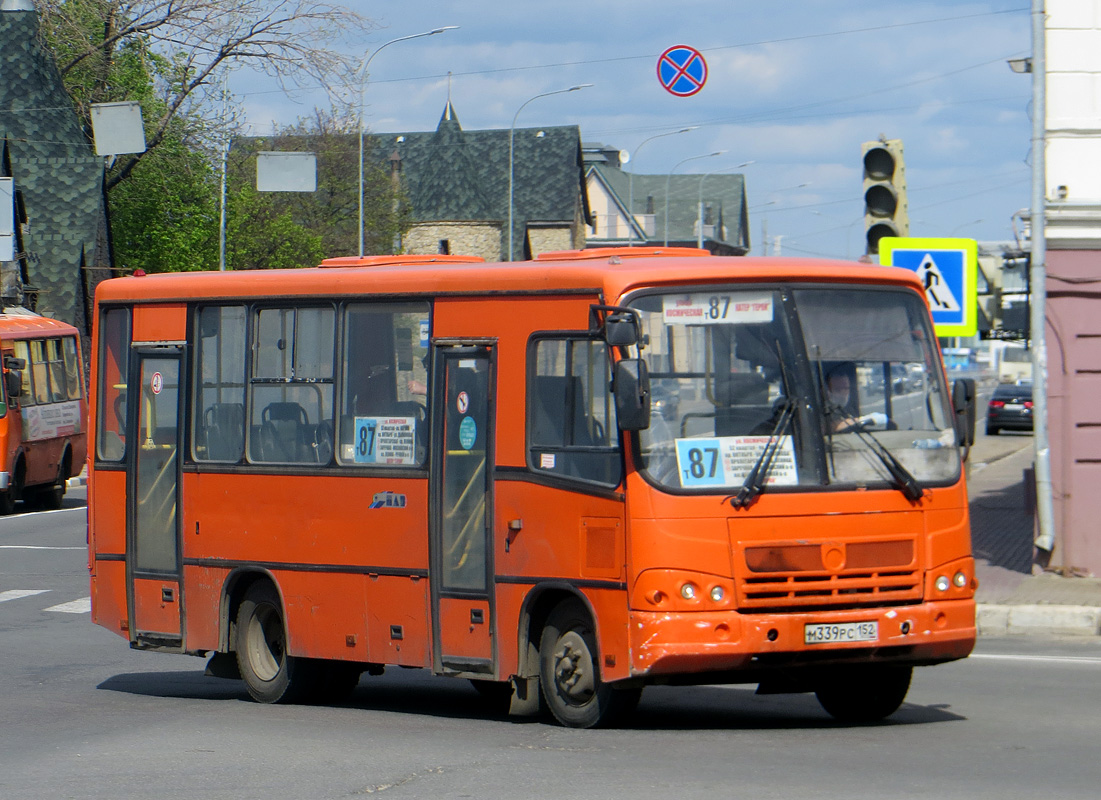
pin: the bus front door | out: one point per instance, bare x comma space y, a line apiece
153, 470
461, 492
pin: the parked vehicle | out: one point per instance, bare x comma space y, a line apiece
1010, 408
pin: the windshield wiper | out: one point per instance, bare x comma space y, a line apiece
755, 481
907, 483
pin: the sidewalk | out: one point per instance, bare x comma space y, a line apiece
1011, 598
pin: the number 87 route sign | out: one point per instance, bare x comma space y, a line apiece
682, 70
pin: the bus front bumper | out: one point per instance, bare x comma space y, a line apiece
679, 643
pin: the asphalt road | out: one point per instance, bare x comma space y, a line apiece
83, 716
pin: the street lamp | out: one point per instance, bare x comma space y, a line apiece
511, 135
669, 177
699, 211
362, 91
631, 181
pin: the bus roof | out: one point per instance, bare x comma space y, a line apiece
612, 273
23, 324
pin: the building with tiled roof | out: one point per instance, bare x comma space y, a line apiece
457, 184
631, 209
60, 224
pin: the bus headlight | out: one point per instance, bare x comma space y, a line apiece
688, 591
960, 579
942, 583
717, 594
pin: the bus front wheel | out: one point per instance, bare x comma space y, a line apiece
569, 676
864, 694
270, 675
14, 492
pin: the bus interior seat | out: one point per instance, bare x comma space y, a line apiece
283, 432
747, 393
224, 431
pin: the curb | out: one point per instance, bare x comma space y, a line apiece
80, 480
997, 620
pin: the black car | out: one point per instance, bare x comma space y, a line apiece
1010, 408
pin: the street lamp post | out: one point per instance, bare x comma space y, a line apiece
631, 182
699, 209
670, 176
362, 91
511, 136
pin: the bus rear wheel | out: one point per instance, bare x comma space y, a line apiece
864, 694
568, 672
270, 675
50, 497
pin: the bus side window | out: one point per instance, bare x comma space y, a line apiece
571, 425
26, 394
114, 367
56, 359
385, 374
291, 392
220, 394
40, 370
72, 369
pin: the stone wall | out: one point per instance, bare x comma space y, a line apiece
543, 240
465, 238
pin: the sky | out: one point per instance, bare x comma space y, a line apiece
794, 88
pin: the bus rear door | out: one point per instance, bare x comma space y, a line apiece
153, 480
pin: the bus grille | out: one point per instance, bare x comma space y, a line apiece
829, 575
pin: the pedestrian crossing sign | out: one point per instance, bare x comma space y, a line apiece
948, 269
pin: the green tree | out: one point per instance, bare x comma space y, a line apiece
332, 212
168, 55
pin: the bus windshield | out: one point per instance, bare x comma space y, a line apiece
841, 384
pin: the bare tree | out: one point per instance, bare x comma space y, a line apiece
180, 45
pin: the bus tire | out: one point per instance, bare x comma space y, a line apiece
270, 675
864, 694
50, 497
569, 676
14, 493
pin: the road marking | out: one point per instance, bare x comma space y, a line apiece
19, 594
36, 547
1046, 659
81, 606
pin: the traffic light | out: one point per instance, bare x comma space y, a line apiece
885, 207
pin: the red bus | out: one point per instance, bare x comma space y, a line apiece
562, 479
42, 409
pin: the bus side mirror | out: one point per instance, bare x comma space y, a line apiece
14, 380
632, 394
963, 403
620, 330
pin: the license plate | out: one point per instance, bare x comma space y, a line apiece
831, 633
1013, 406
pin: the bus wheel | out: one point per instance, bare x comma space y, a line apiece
270, 675
50, 496
568, 674
14, 491
864, 694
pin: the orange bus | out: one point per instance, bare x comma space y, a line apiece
42, 409
562, 479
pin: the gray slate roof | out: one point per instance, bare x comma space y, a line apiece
725, 193
55, 168
456, 175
